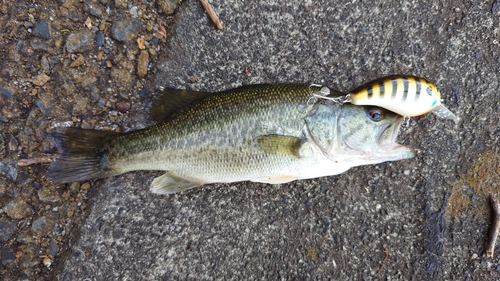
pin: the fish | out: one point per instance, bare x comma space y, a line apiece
406, 95
268, 133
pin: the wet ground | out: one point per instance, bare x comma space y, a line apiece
80, 63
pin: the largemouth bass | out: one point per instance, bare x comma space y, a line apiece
262, 133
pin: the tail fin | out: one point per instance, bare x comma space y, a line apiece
83, 155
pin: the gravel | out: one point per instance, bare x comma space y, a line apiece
77, 63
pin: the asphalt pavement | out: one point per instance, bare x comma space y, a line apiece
408, 220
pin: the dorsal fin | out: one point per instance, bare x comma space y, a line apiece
171, 100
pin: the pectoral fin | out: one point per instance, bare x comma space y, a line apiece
169, 183
285, 145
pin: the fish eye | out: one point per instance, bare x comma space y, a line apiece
375, 114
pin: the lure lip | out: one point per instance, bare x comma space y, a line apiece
443, 112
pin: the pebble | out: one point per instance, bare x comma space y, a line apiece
41, 29
74, 187
78, 62
80, 41
53, 248
17, 209
39, 223
167, 6
47, 261
6, 93
44, 62
7, 229
13, 144
121, 3
495, 9
9, 170
123, 107
126, 30
85, 186
141, 43
133, 11
41, 79
48, 195
40, 45
142, 64
45, 111
8, 254
99, 39
93, 10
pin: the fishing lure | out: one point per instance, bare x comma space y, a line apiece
406, 95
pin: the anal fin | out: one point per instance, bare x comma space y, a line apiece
169, 183
275, 179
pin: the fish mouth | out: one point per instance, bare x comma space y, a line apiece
390, 149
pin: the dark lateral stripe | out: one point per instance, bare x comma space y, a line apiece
369, 92
381, 89
394, 88
428, 90
405, 89
419, 88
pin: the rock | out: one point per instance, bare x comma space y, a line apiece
121, 3
53, 248
8, 254
42, 29
44, 62
39, 223
17, 209
80, 41
48, 195
142, 64
123, 107
133, 11
85, 186
45, 111
13, 144
9, 170
126, 30
78, 62
168, 6
7, 229
6, 93
93, 10
495, 9
41, 79
99, 39
40, 45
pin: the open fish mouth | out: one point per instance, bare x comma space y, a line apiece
388, 145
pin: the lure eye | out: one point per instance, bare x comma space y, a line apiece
375, 114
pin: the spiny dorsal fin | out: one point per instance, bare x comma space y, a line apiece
171, 100
279, 144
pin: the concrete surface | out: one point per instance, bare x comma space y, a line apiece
381, 222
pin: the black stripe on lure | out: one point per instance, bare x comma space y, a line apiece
405, 95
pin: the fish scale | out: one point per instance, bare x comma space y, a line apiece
261, 133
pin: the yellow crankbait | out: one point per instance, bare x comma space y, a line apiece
404, 95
